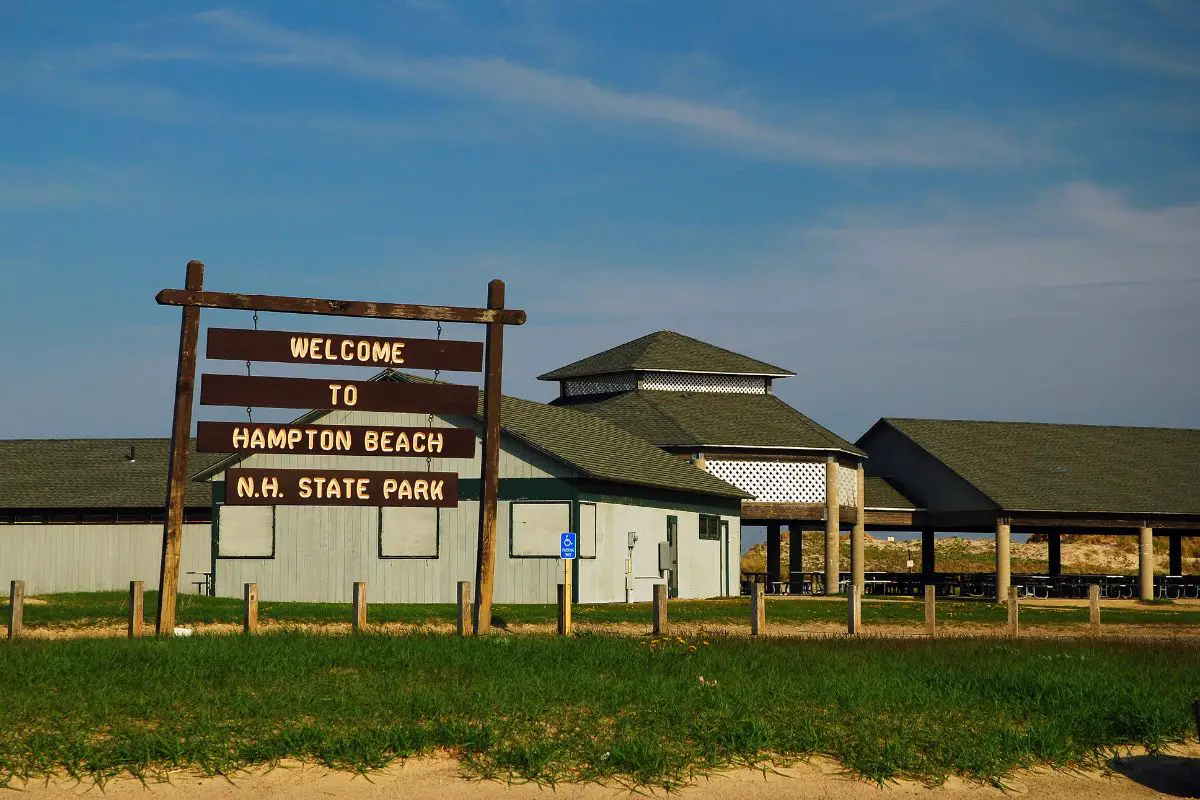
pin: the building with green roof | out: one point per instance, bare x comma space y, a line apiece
717, 409
643, 517
967, 475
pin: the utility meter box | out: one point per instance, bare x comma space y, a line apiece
664, 556
632, 539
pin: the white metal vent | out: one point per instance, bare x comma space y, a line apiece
601, 384
696, 382
774, 481
847, 486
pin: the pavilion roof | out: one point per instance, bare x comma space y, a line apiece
665, 351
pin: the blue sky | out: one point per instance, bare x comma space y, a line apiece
923, 207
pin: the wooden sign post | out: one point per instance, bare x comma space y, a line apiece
337, 487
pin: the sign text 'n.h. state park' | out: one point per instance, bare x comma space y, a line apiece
300, 487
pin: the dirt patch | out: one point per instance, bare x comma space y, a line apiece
1131, 776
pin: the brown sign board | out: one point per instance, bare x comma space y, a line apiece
334, 348
337, 394
328, 487
334, 440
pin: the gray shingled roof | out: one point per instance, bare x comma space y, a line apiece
882, 493
93, 473
1076, 468
687, 419
591, 445
665, 350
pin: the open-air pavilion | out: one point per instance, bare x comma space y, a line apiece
1012, 477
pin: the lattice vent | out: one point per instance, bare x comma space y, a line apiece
775, 481
847, 486
601, 384
695, 382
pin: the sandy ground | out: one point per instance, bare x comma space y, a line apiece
1135, 775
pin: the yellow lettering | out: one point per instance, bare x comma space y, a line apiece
315, 348
333, 489
405, 492
397, 352
364, 351
320, 484
277, 438
305, 485
294, 437
299, 346
402, 442
361, 486
380, 352
435, 489
245, 487
329, 356
312, 438
270, 487
342, 439
347, 349
389, 487
333, 389
350, 395
326, 440
421, 489
257, 439
241, 438
434, 443
385, 442
370, 441
349, 486
418, 442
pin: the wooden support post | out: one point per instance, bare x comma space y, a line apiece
833, 528
1054, 554
660, 609
1003, 573
1146, 563
795, 558
360, 606
1094, 607
464, 608
1014, 611
854, 611
1175, 554
137, 609
485, 562
250, 611
758, 610
564, 610
928, 553
774, 553
931, 609
858, 536
16, 609
177, 478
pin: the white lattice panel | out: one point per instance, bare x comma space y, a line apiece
695, 382
774, 481
601, 384
847, 486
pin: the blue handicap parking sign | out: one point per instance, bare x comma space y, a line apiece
567, 545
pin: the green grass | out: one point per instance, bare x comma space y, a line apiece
590, 708
112, 607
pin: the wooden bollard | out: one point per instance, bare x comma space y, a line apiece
660, 609
464, 608
1014, 612
137, 609
1094, 607
758, 609
564, 610
250, 611
16, 609
931, 609
360, 606
854, 610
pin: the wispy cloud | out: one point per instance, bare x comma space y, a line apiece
796, 137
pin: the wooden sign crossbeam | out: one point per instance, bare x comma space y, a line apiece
339, 349
330, 486
336, 308
336, 395
334, 440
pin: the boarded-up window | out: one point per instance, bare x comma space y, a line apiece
246, 532
587, 530
536, 528
408, 532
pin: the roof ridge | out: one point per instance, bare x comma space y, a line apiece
1041, 424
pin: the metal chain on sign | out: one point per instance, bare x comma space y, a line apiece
250, 411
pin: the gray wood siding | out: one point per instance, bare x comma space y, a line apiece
93, 558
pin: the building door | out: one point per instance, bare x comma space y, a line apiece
673, 558
724, 557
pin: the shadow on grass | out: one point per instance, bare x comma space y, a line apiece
1175, 776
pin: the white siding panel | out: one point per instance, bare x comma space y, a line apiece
246, 531
93, 558
409, 533
537, 528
